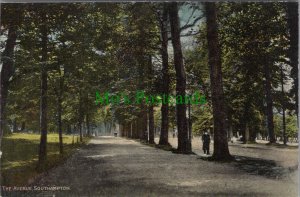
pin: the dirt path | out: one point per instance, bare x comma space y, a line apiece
111, 166
286, 157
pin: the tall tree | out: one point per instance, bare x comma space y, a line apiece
293, 26
221, 151
248, 48
150, 106
11, 24
184, 143
283, 106
163, 139
44, 75
59, 110
80, 116
269, 101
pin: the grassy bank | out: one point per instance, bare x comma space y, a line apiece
20, 156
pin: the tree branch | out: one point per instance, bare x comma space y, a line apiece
186, 26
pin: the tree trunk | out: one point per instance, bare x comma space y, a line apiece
69, 130
60, 127
150, 120
121, 130
269, 101
87, 118
15, 129
7, 70
130, 130
128, 125
80, 130
252, 134
184, 145
292, 19
136, 129
44, 75
163, 139
190, 126
247, 134
151, 124
81, 115
7, 60
243, 130
23, 126
245, 122
221, 151
145, 124
59, 113
7, 64
124, 129
283, 107
139, 128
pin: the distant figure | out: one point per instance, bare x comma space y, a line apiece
205, 142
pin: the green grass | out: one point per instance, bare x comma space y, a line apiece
20, 156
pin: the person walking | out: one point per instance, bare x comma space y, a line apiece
205, 142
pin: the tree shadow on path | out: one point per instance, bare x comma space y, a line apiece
262, 167
255, 166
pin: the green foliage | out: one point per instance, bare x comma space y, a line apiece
202, 120
291, 126
251, 35
115, 48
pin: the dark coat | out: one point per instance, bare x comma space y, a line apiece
206, 138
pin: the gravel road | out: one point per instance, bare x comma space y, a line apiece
113, 166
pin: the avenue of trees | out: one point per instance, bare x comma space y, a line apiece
243, 59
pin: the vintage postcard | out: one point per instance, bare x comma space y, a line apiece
149, 98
